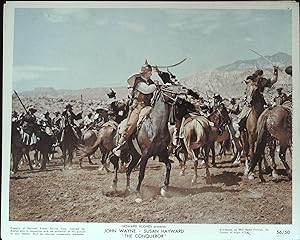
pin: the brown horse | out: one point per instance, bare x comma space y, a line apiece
197, 132
104, 139
273, 124
255, 98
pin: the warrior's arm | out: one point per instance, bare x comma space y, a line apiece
274, 79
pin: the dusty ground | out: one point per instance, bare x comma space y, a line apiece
84, 195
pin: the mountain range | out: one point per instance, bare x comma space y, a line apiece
226, 80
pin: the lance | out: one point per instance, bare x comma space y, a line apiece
21, 101
264, 58
169, 66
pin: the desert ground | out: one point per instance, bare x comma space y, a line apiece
85, 195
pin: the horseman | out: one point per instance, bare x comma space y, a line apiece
70, 117
30, 127
201, 106
141, 88
280, 98
88, 121
46, 123
112, 94
234, 107
262, 82
217, 101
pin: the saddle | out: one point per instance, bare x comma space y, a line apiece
111, 123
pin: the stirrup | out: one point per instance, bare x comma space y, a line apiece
117, 151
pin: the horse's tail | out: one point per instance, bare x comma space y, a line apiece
83, 151
261, 140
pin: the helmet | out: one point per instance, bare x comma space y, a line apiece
31, 109
259, 72
279, 89
146, 67
69, 106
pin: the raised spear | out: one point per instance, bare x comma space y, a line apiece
21, 101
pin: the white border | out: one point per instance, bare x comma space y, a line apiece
192, 231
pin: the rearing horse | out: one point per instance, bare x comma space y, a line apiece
152, 137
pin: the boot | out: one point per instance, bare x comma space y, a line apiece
118, 148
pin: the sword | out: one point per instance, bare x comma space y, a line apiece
264, 58
169, 66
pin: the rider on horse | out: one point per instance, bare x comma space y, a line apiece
141, 88
46, 123
70, 117
280, 98
257, 77
30, 127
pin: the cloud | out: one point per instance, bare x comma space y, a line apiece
58, 15
33, 72
134, 27
248, 39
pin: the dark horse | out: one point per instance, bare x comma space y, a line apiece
19, 147
68, 141
273, 124
152, 137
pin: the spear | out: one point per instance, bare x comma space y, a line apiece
21, 101
81, 102
268, 60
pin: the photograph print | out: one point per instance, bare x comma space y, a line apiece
138, 120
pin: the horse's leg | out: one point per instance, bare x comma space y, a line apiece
165, 157
260, 173
143, 164
45, 159
195, 154
282, 155
272, 148
132, 164
16, 159
104, 161
115, 161
213, 154
194, 180
64, 154
208, 177
90, 161
28, 159
222, 150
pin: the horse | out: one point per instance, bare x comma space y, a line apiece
105, 140
198, 132
152, 136
273, 124
68, 142
248, 134
20, 148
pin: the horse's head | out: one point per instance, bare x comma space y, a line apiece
183, 107
171, 93
220, 115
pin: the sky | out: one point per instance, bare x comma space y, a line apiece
74, 48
